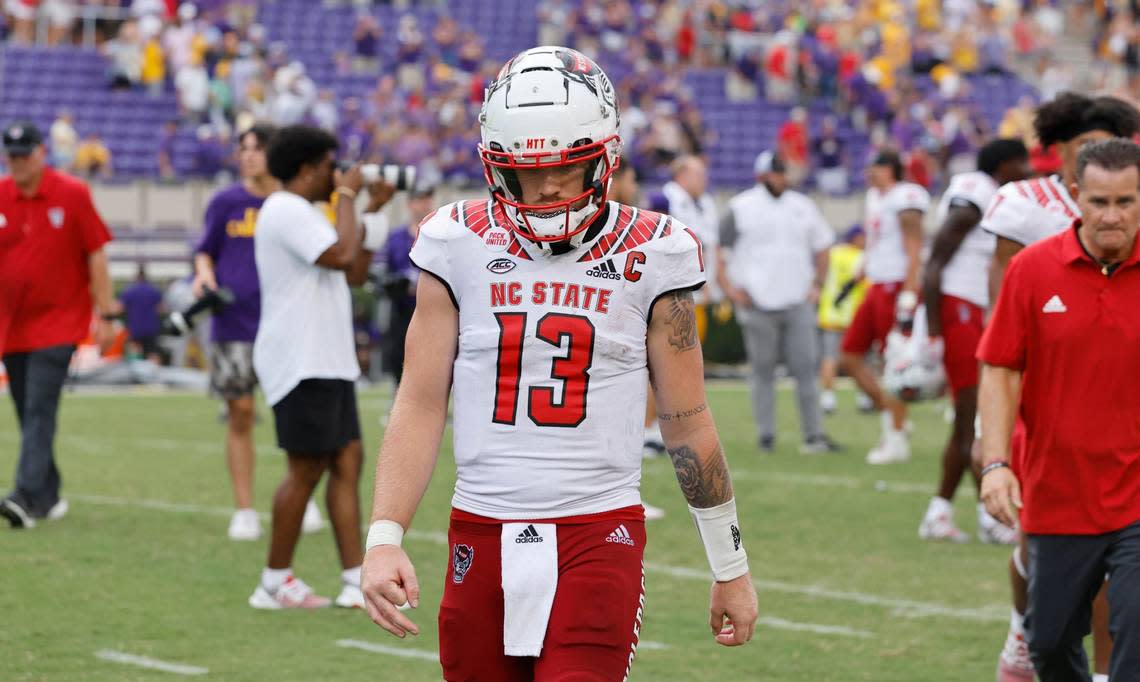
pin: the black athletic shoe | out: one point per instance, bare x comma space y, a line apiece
767, 443
820, 445
13, 510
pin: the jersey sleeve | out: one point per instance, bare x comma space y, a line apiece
680, 261
969, 191
431, 251
911, 198
1008, 215
92, 229
213, 230
821, 234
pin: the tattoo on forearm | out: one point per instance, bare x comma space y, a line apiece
705, 484
683, 413
682, 321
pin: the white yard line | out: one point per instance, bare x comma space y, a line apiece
650, 645
900, 607
149, 663
838, 630
849, 482
418, 654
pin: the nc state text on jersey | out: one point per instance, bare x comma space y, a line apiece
564, 294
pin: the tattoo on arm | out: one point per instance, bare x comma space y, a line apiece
705, 484
673, 416
682, 321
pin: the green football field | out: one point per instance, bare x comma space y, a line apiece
142, 567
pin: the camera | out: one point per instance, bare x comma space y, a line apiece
401, 177
179, 323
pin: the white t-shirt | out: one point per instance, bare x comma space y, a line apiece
550, 376
774, 246
700, 216
306, 309
885, 254
965, 276
1028, 211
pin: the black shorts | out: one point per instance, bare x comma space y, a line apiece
317, 418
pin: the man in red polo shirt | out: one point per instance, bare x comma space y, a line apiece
1066, 330
52, 269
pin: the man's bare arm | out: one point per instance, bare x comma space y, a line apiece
1003, 252
100, 274
677, 374
419, 413
997, 405
910, 221
959, 221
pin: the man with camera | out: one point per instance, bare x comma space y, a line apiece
225, 281
53, 272
304, 353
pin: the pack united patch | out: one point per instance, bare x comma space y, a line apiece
461, 558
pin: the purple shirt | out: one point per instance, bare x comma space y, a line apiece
140, 303
228, 239
395, 257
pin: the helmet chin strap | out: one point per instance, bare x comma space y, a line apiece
557, 222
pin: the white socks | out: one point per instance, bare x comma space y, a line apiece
274, 578
1016, 622
939, 506
1100, 677
351, 576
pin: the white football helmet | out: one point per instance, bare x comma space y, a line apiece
550, 107
912, 364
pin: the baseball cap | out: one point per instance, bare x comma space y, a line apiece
22, 138
421, 190
768, 162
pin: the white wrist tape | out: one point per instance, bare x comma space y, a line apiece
384, 532
720, 533
375, 230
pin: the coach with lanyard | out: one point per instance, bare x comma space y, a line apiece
1060, 352
53, 270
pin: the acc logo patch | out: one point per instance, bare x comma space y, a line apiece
461, 556
497, 239
498, 266
55, 217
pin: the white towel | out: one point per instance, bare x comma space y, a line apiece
530, 578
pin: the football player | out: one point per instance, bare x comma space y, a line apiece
1020, 214
549, 309
956, 299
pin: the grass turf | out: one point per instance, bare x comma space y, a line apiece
142, 564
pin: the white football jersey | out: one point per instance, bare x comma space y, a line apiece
885, 256
1028, 211
550, 377
966, 275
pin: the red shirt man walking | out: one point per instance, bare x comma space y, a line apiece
52, 269
1066, 330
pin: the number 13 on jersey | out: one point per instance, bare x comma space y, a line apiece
572, 369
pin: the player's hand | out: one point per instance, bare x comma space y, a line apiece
733, 610
740, 297
351, 179
379, 194
202, 281
1001, 494
388, 581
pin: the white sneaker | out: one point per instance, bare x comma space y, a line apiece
941, 527
350, 597
894, 447
652, 513
827, 402
312, 523
1014, 664
245, 525
863, 402
293, 594
58, 510
994, 532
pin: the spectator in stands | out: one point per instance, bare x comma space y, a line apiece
142, 305
213, 156
178, 38
771, 264
221, 97
193, 85
125, 53
152, 72
51, 278
400, 277
325, 113
446, 37
366, 43
64, 140
93, 158
165, 156
792, 146
828, 150
22, 16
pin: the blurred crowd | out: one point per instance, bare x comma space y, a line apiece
887, 70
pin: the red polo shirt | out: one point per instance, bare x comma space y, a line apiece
45, 239
1074, 333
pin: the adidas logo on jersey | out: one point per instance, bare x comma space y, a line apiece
605, 270
1054, 305
620, 536
529, 534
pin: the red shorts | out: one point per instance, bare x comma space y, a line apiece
873, 320
962, 326
594, 622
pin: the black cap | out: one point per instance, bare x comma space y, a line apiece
421, 190
22, 138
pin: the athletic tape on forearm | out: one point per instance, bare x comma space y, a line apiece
384, 533
720, 534
375, 230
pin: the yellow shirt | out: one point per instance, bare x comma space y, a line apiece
91, 155
153, 63
844, 263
